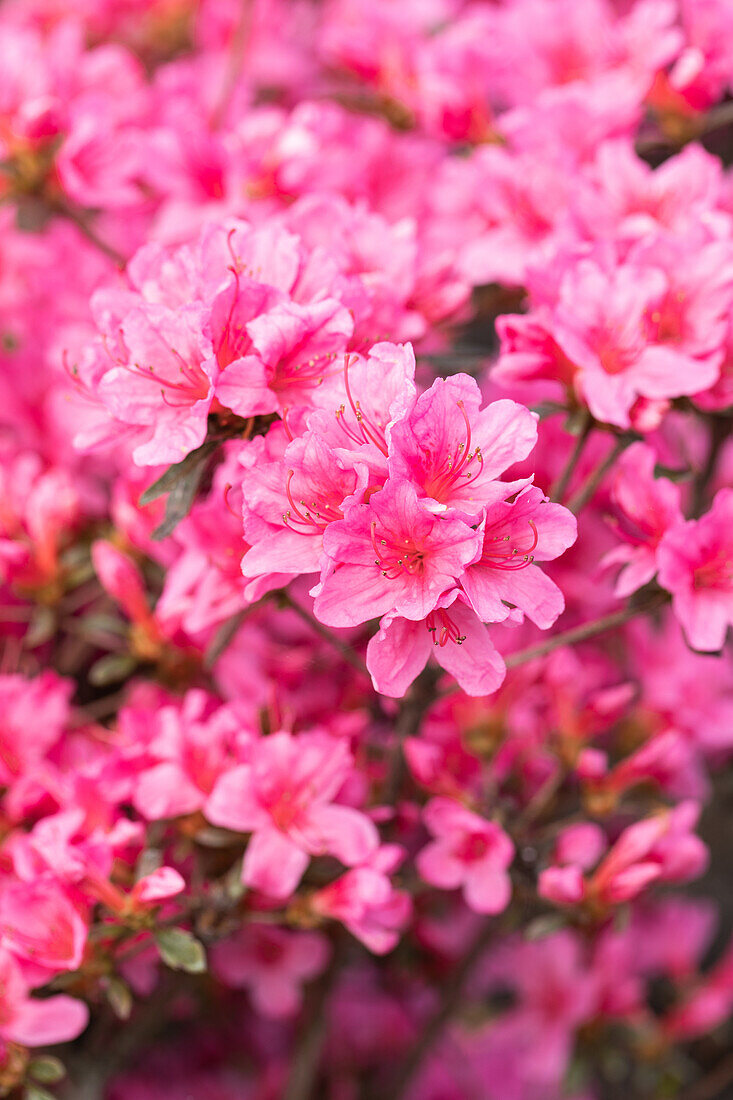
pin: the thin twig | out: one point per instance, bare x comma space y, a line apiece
409, 720
235, 61
585, 631
586, 491
81, 222
560, 486
345, 650
720, 427
451, 995
714, 1086
309, 1043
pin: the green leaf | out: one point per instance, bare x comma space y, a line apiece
35, 1092
543, 926
545, 409
178, 472
42, 627
577, 421
46, 1069
32, 214
672, 473
113, 668
181, 950
120, 998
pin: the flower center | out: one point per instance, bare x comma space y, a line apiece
393, 559
443, 629
461, 467
499, 555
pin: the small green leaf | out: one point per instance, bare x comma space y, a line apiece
177, 472
46, 1069
104, 624
181, 950
113, 668
544, 409
578, 421
42, 627
35, 1092
32, 214
672, 473
544, 926
120, 998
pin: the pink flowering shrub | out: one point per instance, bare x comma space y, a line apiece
366, 549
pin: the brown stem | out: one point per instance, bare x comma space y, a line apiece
81, 221
560, 486
586, 491
409, 720
720, 427
450, 999
322, 631
309, 1043
237, 51
714, 1086
586, 630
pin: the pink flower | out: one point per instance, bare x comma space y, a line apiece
696, 565
662, 848
601, 326
469, 852
515, 535
273, 964
706, 1004
284, 797
453, 451
284, 356
577, 849
190, 747
38, 923
367, 903
163, 383
31, 1022
452, 633
632, 201
647, 506
289, 503
391, 554
35, 712
160, 885
122, 579
373, 391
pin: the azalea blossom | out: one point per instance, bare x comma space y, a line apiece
695, 566
469, 852
285, 798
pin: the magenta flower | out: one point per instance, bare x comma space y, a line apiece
515, 535
391, 554
468, 852
188, 748
290, 502
39, 924
163, 381
31, 1022
602, 327
451, 633
662, 848
285, 355
285, 798
453, 451
696, 565
373, 392
367, 903
646, 508
272, 964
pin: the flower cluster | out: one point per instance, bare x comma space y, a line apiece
366, 549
